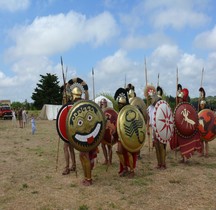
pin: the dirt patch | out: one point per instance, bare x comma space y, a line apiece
30, 175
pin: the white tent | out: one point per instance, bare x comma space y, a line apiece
98, 99
49, 112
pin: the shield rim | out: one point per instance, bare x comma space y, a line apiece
86, 149
58, 122
145, 107
104, 141
154, 124
180, 134
198, 127
119, 132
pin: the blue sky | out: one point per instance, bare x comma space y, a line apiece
114, 37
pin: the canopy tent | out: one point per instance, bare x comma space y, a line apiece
49, 112
98, 99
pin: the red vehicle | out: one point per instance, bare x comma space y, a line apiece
5, 112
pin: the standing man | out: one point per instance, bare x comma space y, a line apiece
83, 129
160, 147
126, 159
202, 105
69, 152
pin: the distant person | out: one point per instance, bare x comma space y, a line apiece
24, 118
14, 118
33, 124
20, 118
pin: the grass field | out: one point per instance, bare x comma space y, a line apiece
31, 177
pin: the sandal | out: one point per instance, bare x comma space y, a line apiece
163, 167
158, 166
123, 173
131, 174
87, 182
73, 168
66, 171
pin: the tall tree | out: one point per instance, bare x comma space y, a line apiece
47, 91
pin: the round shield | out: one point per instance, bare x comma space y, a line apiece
186, 120
140, 104
207, 124
85, 125
131, 128
61, 122
110, 135
163, 121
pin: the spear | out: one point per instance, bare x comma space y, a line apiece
57, 155
63, 75
201, 83
158, 79
176, 86
202, 77
93, 84
147, 101
175, 140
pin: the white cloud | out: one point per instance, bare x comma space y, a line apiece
144, 42
111, 71
206, 40
14, 5
179, 18
53, 34
176, 14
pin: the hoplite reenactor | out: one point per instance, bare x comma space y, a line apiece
131, 132
186, 137
85, 126
138, 103
207, 123
160, 118
110, 136
68, 149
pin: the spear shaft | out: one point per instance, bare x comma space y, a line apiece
93, 84
147, 102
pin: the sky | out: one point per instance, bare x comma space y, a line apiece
121, 40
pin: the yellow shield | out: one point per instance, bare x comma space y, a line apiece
131, 128
85, 125
140, 104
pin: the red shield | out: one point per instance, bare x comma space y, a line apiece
163, 122
207, 124
186, 120
61, 122
111, 135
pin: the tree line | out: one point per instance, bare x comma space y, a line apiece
48, 91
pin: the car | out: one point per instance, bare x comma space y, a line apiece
5, 112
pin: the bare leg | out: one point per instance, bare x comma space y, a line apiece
73, 158
67, 156
206, 149
103, 146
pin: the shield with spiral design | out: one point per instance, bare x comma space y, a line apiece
163, 121
186, 120
61, 122
85, 125
207, 124
131, 128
